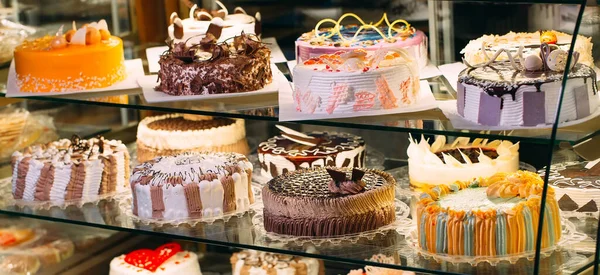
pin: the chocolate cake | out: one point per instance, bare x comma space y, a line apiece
174, 134
577, 187
282, 154
192, 185
324, 202
215, 68
76, 169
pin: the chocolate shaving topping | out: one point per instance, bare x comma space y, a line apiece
101, 145
208, 42
183, 53
337, 176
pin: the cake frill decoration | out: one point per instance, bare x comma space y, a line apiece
320, 36
151, 260
341, 185
550, 57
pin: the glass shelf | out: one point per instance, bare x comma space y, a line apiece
239, 232
265, 107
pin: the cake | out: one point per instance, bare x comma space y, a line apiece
13, 121
356, 81
398, 34
577, 186
177, 133
193, 29
325, 202
80, 59
292, 150
210, 67
167, 259
375, 270
493, 216
19, 264
461, 160
525, 91
192, 185
248, 262
531, 43
12, 237
64, 170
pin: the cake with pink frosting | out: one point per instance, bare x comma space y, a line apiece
383, 34
323, 202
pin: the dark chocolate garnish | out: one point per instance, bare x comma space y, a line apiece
567, 204
337, 176
589, 207
357, 174
215, 30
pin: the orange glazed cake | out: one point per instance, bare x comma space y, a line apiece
80, 59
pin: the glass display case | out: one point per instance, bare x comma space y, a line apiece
459, 136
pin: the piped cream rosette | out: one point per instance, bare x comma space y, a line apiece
435, 164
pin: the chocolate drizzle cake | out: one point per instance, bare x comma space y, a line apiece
215, 68
280, 155
192, 185
76, 169
303, 203
577, 188
174, 134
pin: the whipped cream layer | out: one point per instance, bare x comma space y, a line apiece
233, 25
184, 262
192, 185
499, 95
181, 138
424, 158
252, 262
279, 155
63, 170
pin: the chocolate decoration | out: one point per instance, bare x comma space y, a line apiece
258, 24
301, 140
218, 13
471, 153
501, 79
357, 174
337, 176
595, 170
582, 103
172, 18
239, 10
215, 30
182, 124
203, 15
534, 110
589, 207
567, 204
178, 28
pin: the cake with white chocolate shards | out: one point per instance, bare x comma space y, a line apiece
326, 202
76, 169
293, 150
195, 27
249, 262
525, 89
461, 160
241, 64
192, 185
174, 134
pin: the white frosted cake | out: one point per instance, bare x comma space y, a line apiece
524, 88
168, 259
252, 262
195, 27
577, 187
443, 163
76, 169
356, 81
174, 134
192, 185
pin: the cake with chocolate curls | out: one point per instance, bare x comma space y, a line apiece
240, 64
174, 134
192, 185
326, 202
76, 169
